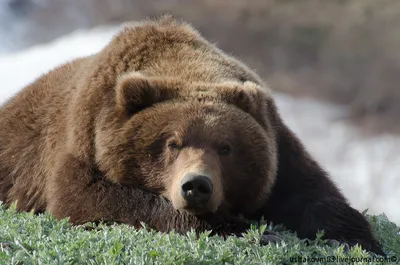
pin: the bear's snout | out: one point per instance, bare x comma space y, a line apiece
196, 182
196, 189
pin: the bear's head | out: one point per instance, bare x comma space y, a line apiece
205, 147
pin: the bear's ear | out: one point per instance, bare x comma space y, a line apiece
135, 92
293, 158
249, 97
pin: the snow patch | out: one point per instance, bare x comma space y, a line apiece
21, 68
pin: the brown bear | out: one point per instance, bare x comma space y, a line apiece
162, 127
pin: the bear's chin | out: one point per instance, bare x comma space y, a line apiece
199, 210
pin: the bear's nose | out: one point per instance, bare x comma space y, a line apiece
196, 189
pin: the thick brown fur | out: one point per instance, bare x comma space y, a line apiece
110, 136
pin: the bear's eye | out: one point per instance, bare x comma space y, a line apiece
174, 145
224, 150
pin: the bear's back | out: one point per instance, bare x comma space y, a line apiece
167, 48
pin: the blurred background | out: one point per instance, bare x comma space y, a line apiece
334, 66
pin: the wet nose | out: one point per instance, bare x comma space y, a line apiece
196, 189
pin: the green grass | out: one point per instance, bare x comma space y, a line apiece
40, 239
